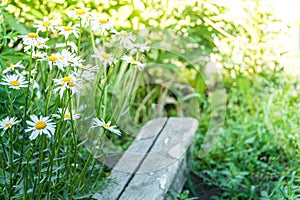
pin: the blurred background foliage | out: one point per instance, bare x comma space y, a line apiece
239, 41
242, 40
258, 149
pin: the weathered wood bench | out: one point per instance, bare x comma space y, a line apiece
154, 163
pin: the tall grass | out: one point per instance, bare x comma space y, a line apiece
58, 72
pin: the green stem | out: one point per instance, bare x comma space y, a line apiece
27, 92
93, 40
105, 96
99, 74
118, 79
4, 160
24, 121
83, 172
11, 160
10, 102
128, 94
79, 37
41, 157
73, 131
54, 154
26, 169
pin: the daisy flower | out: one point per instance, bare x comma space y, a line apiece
43, 25
101, 24
63, 59
54, 59
128, 59
82, 13
8, 123
101, 123
106, 58
87, 20
33, 40
12, 67
68, 30
14, 81
71, 59
125, 38
68, 82
42, 43
132, 61
38, 55
66, 115
72, 46
40, 125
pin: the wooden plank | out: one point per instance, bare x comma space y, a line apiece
179, 180
131, 159
165, 162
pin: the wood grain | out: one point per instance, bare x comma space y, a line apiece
165, 164
131, 159
154, 163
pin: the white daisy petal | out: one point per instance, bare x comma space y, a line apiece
68, 30
125, 38
32, 40
71, 82
66, 115
14, 81
45, 24
8, 123
13, 67
101, 123
105, 58
102, 24
40, 125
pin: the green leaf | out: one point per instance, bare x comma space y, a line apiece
14, 25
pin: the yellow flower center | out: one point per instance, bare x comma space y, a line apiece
133, 60
40, 125
46, 23
107, 126
103, 21
71, 84
15, 83
12, 66
32, 35
67, 116
105, 56
68, 28
79, 12
8, 125
39, 43
52, 58
67, 79
124, 34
